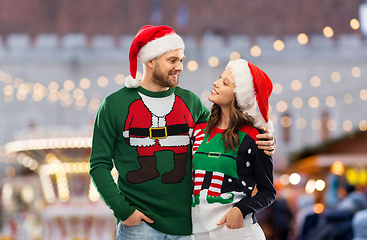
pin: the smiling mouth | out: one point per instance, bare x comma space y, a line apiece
175, 76
214, 92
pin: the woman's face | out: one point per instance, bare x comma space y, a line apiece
223, 94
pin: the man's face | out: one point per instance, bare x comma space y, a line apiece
168, 67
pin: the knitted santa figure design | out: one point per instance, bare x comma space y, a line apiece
157, 121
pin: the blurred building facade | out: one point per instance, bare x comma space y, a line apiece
278, 18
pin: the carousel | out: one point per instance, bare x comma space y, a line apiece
72, 208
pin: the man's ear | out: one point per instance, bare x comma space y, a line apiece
151, 63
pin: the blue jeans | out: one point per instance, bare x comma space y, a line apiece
144, 231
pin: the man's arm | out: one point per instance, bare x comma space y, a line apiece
101, 164
266, 142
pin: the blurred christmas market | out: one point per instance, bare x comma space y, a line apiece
60, 59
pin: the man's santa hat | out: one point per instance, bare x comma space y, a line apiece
252, 84
149, 43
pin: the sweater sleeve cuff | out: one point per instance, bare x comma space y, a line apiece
244, 209
125, 214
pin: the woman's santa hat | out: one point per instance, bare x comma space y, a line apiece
252, 84
149, 43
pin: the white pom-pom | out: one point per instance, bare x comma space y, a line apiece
130, 82
260, 122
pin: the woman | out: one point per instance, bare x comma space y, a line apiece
228, 167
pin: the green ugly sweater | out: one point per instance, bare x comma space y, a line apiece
146, 136
224, 179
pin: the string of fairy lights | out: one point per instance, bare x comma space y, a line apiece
70, 94
315, 101
73, 93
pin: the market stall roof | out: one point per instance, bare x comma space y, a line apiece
350, 150
322, 162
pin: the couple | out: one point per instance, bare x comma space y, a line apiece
145, 130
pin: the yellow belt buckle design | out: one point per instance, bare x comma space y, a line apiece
157, 128
214, 154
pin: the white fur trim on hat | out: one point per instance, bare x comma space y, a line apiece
130, 82
245, 92
259, 121
160, 46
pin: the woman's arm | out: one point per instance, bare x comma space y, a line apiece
263, 172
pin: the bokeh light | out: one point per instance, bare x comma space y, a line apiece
328, 32
78, 93
282, 106
363, 94
102, 81
294, 178
69, 85
354, 24
22, 92
301, 123
278, 45
331, 125
284, 179
363, 125
347, 125
53, 86
316, 124
310, 186
286, 121
255, 51
277, 88
213, 61
313, 102
235, 55
330, 101
192, 65
337, 168
84, 83
302, 38
318, 208
120, 79
356, 72
296, 85
7, 78
315, 81
8, 90
297, 102
335, 77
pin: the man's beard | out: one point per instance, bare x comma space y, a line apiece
162, 80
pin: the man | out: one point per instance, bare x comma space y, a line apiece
144, 130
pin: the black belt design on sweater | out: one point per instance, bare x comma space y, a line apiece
216, 154
160, 132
